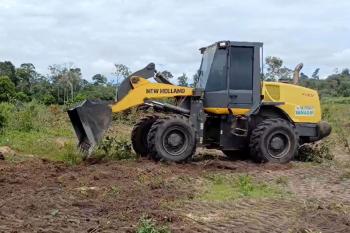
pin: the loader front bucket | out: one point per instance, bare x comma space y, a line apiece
90, 121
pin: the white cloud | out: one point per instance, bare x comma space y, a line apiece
340, 58
105, 67
96, 34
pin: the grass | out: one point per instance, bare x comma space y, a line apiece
35, 129
224, 188
336, 100
46, 132
337, 112
58, 145
147, 225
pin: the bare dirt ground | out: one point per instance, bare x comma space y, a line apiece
44, 196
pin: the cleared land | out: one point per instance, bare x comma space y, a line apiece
209, 194
212, 195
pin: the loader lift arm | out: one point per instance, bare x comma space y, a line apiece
92, 118
143, 89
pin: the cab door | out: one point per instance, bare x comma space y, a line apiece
241, 77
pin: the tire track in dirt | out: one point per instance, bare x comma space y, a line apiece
289, 214
314, 182
264, 215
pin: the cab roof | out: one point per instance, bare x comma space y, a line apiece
235, 43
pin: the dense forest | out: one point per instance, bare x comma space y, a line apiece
65, 83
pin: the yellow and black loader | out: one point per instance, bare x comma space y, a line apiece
230, 109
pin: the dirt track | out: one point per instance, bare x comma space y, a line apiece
43, 196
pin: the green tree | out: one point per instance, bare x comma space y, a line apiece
102, 92
7, 89
26, 75
121, 72
167, 74
315, 74
274, 64
66, 80
47, 99
345, 72
195, 79
183, 80
99, 79
9, 70
42, 88
285, 73
303, 76
276, 70
23, 97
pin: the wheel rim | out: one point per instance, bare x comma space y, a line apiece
175, 141
278, 144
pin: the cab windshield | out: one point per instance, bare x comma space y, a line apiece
204, 69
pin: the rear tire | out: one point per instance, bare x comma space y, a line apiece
274, 140
139, 135
172, 139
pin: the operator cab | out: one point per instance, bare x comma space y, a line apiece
230, 74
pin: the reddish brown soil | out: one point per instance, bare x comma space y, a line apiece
43, 196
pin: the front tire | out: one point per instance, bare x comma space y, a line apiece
139, 135
274, 140
172, 139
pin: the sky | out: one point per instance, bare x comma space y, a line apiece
96, 34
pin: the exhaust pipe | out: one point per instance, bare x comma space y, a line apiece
296, 73
90, 121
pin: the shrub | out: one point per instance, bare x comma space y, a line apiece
26, 117
114, 148
6, 113
129, 116
7, 89
48, 99
70, 154
314, 152
2, 122
21, 96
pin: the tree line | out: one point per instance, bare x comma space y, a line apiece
335, 85
65, 84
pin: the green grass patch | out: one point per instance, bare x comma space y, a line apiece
223, 188
46, 132
336, 100
147, 225
39, 130
43, 145
338, 115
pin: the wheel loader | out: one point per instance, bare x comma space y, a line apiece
230, 109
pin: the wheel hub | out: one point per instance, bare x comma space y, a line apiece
277, 143
174, 139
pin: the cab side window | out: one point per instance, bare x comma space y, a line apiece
241, 68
